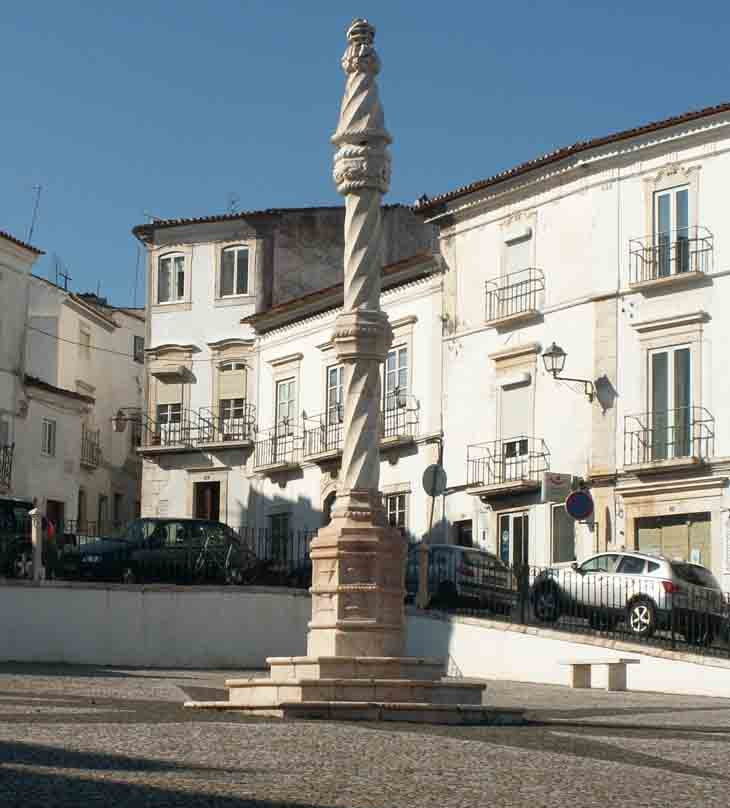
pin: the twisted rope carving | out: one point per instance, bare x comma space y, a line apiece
362, 250
360, 467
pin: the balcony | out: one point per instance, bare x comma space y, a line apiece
669, 439
505, 467
514, 298
178, 433
6, 466
231, 428
323, 434
90, 448
399, 420
278, 448
672, 258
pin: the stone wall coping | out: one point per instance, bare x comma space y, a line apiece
192, 589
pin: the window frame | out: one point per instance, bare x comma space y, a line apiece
398, 498
138, 348
49, 431
236, 249
554, 538
173, 283
334, 410
398, 370
285, 425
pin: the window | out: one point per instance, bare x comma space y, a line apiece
631, 565
671, 230
517, 254
670, 403
234, 271
171, 278
231, 409
118, 510
4, 432
48, 438
84, 343
396, 378
231, 394
563, 535
602, 563
169, 422
102, 512
334, 394
138, 349
279, 523
397, 509
286, 394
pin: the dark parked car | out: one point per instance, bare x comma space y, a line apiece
457, 574
171, 550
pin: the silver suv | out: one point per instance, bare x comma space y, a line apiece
649, 592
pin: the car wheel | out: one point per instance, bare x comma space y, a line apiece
234, 576
642, 618
547, 604
129, 576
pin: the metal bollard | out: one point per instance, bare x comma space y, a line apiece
36, 538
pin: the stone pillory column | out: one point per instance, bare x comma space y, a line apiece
355, 668
357, 591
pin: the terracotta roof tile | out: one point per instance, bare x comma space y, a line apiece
20, 243
568, 151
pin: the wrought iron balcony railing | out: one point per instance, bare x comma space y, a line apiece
400, 416
668, 435
90, 447
280, 445
514, 295
516, 459
323, 433
235, 424
179, 430
6, 465
675, 253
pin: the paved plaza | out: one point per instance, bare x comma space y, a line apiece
78, 736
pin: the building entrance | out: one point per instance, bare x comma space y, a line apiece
207, 501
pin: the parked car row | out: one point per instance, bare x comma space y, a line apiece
646, 592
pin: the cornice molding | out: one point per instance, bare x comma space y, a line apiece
516, 350
673, 321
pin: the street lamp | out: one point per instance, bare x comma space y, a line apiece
554, 359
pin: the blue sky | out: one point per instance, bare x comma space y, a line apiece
168, 107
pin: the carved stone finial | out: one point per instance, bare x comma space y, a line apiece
362, 159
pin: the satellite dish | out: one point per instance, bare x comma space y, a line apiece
434, 480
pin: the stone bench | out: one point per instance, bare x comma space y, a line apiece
580, 671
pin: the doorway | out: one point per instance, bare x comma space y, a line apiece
514, 538
463, 533
55, 512
207, 501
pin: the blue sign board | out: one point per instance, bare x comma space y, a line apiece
579, 505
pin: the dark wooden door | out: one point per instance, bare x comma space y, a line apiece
207, 501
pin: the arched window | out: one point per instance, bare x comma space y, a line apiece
234, 271
171, 278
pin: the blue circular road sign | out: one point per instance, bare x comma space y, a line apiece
579, 504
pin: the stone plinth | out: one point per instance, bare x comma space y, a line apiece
361, 688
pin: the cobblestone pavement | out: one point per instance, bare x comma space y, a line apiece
77, 736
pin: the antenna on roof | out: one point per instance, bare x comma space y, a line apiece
232, 199
151, 216
34, 217
60, 272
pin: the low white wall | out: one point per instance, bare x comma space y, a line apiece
175, 627
491, 650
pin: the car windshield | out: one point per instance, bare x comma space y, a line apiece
138, 529
694, 574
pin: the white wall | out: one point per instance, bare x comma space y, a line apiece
151, 626
487, 650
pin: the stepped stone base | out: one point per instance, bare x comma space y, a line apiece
361, 688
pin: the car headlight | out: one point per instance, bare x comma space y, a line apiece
91, 559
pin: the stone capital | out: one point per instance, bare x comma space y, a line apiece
357, 167
362, 334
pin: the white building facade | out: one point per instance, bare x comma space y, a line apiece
79, 403
243, 414
618, 251
16, 262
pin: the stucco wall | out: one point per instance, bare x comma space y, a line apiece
151, 626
